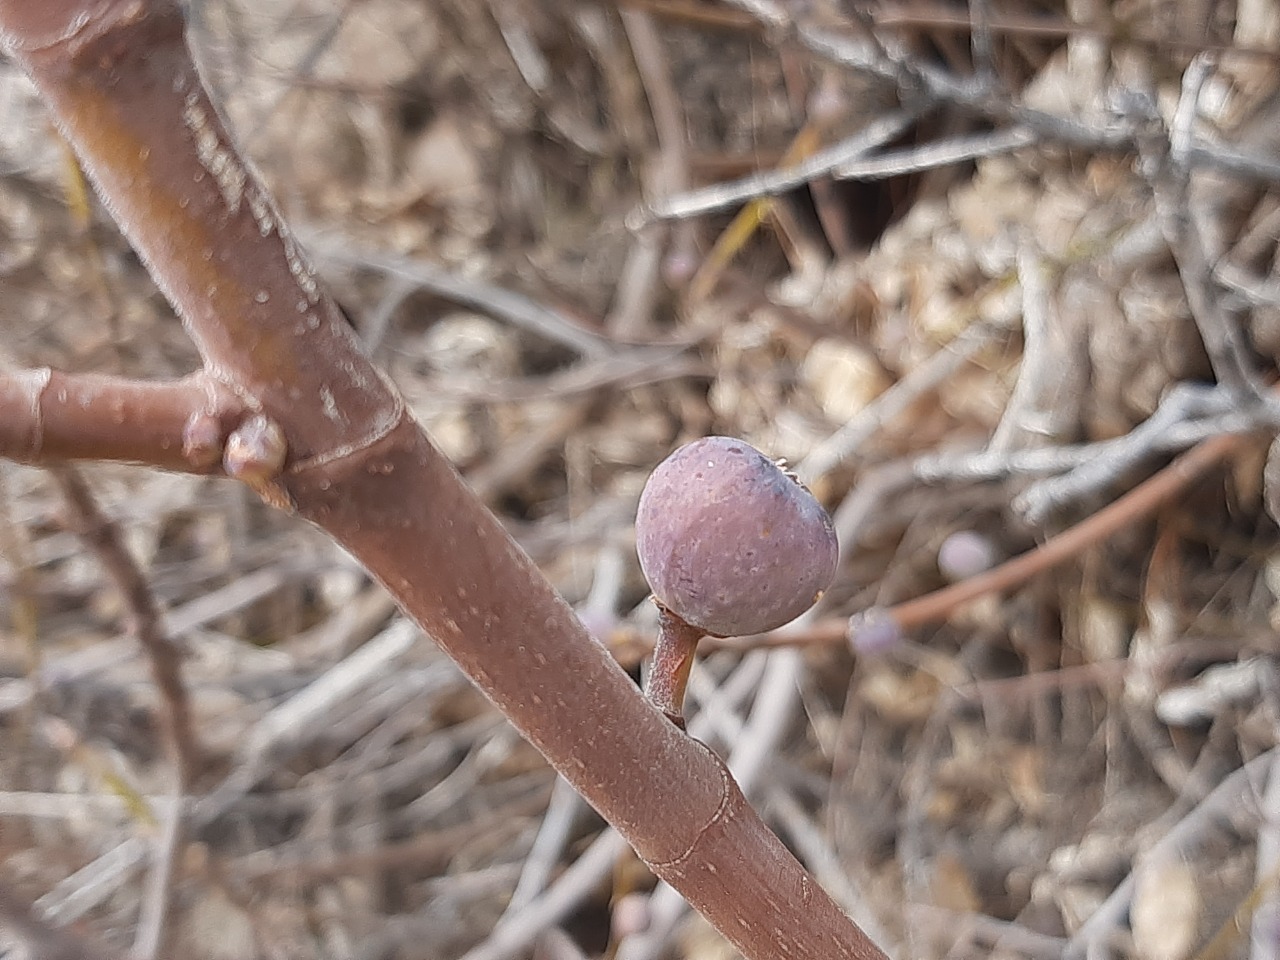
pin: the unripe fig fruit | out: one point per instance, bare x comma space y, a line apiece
729, 542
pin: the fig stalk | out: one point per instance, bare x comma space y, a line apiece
673, 656
730, 544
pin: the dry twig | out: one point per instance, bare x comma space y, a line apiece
183, 749
34, 938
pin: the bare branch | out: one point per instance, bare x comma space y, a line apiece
119, 79
1117, 515
914, 79
1187, 414
514, 308
636, 295
930, 156
873, 58
1223, 335
821, 163
50, 417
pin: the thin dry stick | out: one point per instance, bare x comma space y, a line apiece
624, 370
428, 851
506, 305
1249, 289
274, 737
937, 15
578, 882
153, 914
774, 183
1222, 157
1173, 431
519, 458
179, 621
984, 63
533, 66
146, 624
1023, 413
917, 80
842, 443
1010, 937
142, 612
98, 879
555, 944
637, 285
1138, 502
72, 806
37, 939
766, 11
931, 156
1226, 800
553, 834
1176, 421
1224, 338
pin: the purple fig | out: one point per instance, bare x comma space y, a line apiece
729, 542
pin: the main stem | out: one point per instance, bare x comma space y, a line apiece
120, 81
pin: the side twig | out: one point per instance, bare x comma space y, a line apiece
49, 417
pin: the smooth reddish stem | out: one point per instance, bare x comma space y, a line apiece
47, 416
673, 657
122, 85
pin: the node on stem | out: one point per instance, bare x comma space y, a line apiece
255, 453
202, 441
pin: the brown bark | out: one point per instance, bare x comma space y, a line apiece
125, 92
50, 417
